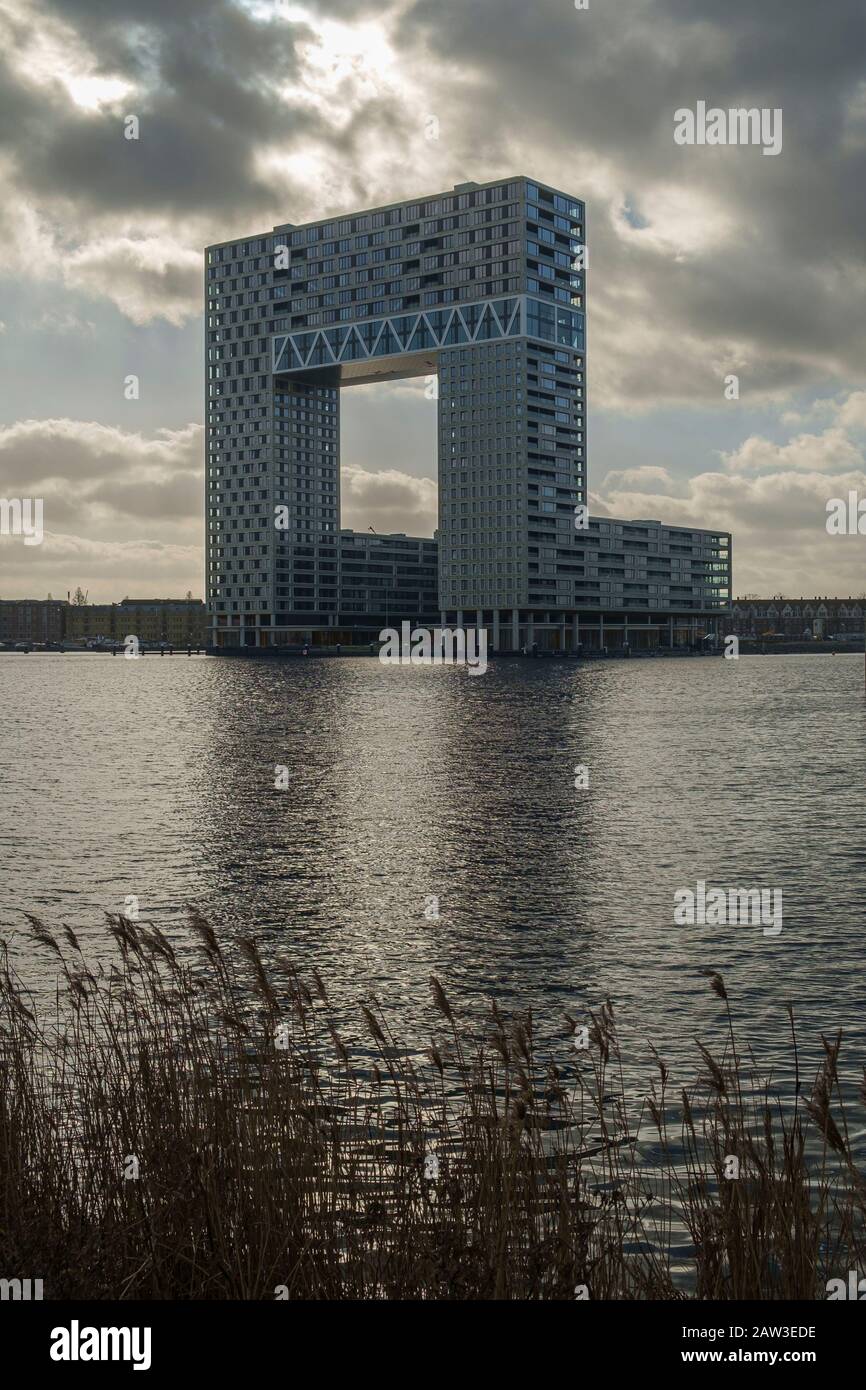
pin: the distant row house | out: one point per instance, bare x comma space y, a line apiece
176, 622
32, 620
798, 617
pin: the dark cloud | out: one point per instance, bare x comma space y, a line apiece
704, 261
206, 78
596, 90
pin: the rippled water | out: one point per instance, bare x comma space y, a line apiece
156, 778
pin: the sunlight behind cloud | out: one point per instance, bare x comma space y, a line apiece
343, 65
360, 51
93, 92
51, 52
673, 220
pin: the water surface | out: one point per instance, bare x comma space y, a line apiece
155, 778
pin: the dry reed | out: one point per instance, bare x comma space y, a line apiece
178, 1124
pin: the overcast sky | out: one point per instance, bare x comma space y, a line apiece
704, 260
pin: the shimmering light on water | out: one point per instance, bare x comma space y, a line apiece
156, 778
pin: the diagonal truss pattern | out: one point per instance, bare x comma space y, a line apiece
399, 333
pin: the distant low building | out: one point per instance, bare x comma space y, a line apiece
32, 619
798, 617
179, 622
176, 621
87, 620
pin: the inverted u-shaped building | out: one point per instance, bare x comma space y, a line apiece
483, 291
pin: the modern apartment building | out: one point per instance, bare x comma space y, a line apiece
391, 578
482, 290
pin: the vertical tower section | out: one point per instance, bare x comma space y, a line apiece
239, 480
512, 429
556, 522
306, 468
482, 476
555, 373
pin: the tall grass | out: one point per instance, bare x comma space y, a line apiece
183, 1126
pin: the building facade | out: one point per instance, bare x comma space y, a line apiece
481, 289
179, 622
176, 622
387, 579
799, 617
32, 620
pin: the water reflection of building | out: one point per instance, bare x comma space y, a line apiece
336, 869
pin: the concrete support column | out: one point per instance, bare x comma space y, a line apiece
496, 629
530, 632
479, 622
575, 633
671, 632
459, 617
515, 630
601, 631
